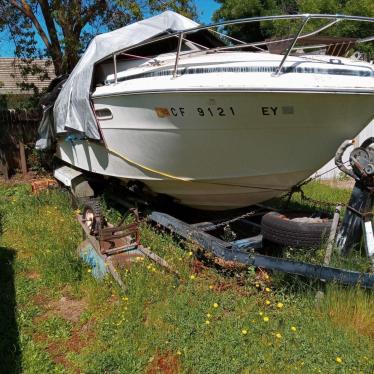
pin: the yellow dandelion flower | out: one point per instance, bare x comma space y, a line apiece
207, 322
267, 276
261, 313
208, 315
280, 305
190, 253
210, 287
267, 302
293, 328
149, 267
339, 360
89, 271
215, 305
244, 332
266, 319
192, 277
278, 335
257, 285
267, 289
179, 353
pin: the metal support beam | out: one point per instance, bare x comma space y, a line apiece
231, 252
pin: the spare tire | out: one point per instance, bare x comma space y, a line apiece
295, 230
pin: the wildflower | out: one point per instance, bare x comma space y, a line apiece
267, 302
261, 313
210, 287
192, 277
267, 289
339, 360
125, 298
266, 319
215, 305
293, 329
278, 335
267, 276
89, 271
257, 285
244, 332
207, 322
280, 305
179, 353
149, 267
208, 315
190, 253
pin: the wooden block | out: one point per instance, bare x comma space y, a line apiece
42, 184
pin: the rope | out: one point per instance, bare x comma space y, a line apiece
297, 189
155, 171
183, 179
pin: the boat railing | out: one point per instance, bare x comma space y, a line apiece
304, 18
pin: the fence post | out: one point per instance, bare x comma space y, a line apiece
4, 164
22, 158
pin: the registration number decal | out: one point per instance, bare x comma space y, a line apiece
203, 111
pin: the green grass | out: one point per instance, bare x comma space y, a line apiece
158, 325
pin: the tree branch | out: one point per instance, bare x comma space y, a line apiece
25, 8
46, 10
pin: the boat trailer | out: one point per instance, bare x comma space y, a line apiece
107, 246
357, 223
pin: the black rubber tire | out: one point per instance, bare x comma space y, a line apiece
93, 205
280, 229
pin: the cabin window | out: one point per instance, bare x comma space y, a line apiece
103, 114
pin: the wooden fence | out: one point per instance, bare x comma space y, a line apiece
18, 128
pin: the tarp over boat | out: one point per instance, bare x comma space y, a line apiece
72, 110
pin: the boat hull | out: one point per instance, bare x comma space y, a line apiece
220, 149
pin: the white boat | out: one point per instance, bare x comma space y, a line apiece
216, 128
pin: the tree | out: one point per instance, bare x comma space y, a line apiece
234, 9
65, 27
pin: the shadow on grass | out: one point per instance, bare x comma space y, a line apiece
10, 353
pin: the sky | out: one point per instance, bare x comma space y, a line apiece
205, 10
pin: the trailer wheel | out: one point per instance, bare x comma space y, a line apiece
92, 216
294, 230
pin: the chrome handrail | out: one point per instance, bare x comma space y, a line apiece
180, 42
289, 49
305, 17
